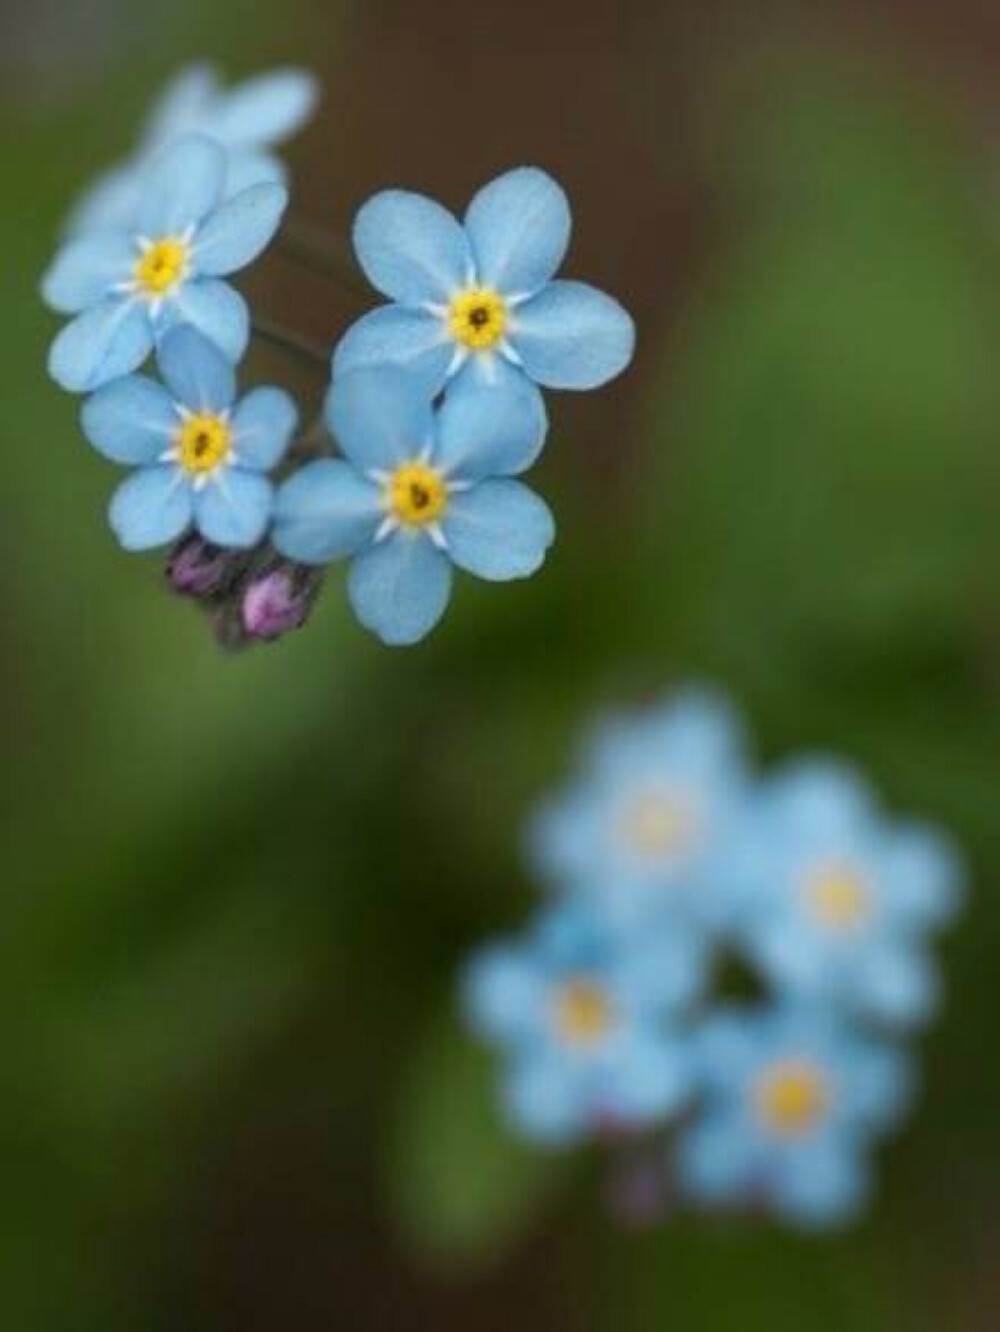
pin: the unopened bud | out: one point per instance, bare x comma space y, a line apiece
278, 601
196, 568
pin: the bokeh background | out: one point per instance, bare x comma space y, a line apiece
236, 890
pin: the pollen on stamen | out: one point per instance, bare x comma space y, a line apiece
416, 494
838, 897
161, 266
478, 318
582, 1010
791, 1096
203, 443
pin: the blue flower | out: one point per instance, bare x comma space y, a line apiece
481, 296
417, 492
200, 456
587, 1019
129, 287
834, 902
791, 1102
644, 824
247, 121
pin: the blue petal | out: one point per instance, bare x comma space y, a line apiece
543, 1098
324, 512
150, 508
411, 248
408, 339
195, 371
878, 1087
380, 418
111, 204
498, 530
234, 508
821, 1183
181, 186
182, 106
664, 970
649, 1079
696, 731
821, 797
897, 984
519, 226
716, 1159
248, 168
262, 428
486, 432
798, 960
264, 110
502, 994
111, 340
86, 270
399, 589
216, 310
560, 838
239, 230
922, 877
571, 336
131, 421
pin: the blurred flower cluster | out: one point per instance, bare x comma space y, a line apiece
435, 401
725, 971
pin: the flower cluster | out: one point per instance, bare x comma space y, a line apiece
434, 398
732, 957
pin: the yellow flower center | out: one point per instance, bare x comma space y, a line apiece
582, 1010
478, 318
416, 494
838, 897
791, 1096
162, 264
202, 442
656, 824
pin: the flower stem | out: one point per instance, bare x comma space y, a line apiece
294, 344
321, 251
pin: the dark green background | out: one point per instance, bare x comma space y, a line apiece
236, 890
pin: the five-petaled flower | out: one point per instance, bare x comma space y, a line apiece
833, 902
588, 1021
791, 1098
644, 825
201, 456
418, 490
128, 287
481, 296
247, 120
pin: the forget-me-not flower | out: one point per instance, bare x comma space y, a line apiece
417, 492
835, 902
644, 824
128, 287
201, 457
480, 295
247, 120
588, 1022
792, 1098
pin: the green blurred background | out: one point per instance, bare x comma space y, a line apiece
236, 890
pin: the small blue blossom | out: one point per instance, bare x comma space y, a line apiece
588, 1021
836, 903
791, 1099
129, 287
200, 456
247, 120
645, 823
480, 296
417, 492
